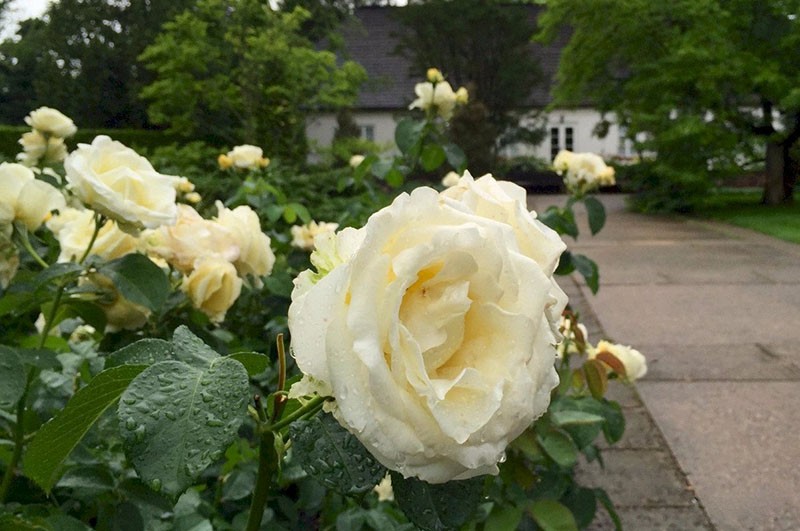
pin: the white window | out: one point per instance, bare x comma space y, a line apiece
561, 137
624, 144
367, 132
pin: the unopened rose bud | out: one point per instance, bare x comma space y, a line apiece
462, 96
224, 162
434, 75
192, 197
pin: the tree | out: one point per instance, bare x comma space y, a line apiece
709, 83
81, 59
245, 73
481, 44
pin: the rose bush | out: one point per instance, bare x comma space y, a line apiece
436, 333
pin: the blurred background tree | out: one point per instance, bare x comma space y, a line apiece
711, 86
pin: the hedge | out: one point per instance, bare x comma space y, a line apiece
135, 138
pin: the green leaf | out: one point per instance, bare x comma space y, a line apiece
13, 377
408, 134
615, 421
437, 507
582, 502
191, 349
394, 178
302, 212
139, 280
254, 362
333, 455
91, 313
176, 419
58, 437
602, 495
144, 352
289, 214
552, 516
561, 220
432, 156
87, 482
567, 417
456, 157
565, 264
66, 270
588, 269
596, 213
503, 518
559, 446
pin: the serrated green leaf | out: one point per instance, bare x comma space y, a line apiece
139, 280
144, 352
559, 446
176, 419
190, 349
588, 269
91, 313
437, 507
87, 482
12, 377
567, 417
432, 156
254, 362
456, 157
552, 516
58, 437
596, 213
333, 456
408, 133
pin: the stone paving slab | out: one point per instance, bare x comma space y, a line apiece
738, 444
655, 519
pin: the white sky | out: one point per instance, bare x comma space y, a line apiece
21, 10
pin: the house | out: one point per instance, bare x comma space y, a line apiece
370, 39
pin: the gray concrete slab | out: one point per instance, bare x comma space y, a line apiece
654, 519
738, 444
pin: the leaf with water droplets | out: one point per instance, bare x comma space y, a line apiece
191, 349
332, 455
437, 507
55, 440
144, 352
12, 377
177, 418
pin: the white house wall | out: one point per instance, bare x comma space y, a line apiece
320, 130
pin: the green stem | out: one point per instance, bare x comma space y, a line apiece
267, 464
50, 317
26, 243
97, 225
19, 440
314, 404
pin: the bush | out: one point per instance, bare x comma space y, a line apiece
658, 188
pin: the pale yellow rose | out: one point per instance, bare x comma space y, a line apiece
583, 172
439, 96
213, 287
255, 255
190, 239
248, 157
435, 328
224, 162
303, 235
633, 361
34, 145
462, 96
451, 179
51, 121
30, 200
434, 75
74, 229
121, 184
356, 160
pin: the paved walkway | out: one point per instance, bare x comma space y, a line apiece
713, 438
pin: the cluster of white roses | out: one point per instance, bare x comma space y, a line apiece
583, 172
244, 157
303, 236
436, 95
434, 327
109, 183
45, 142
626, 362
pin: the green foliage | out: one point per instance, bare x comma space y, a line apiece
739, 98
12, 378
660, 188
245, 72
333, 456
139, 280
437, 507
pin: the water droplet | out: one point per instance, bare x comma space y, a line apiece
170, 414
131, 423
206, 397
128, 400
138, 434
156, 485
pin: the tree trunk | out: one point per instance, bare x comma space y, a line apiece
774, 191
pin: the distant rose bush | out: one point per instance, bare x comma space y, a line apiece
435, 328
51, 121
583, 172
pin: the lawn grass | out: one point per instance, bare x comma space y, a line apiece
742, 207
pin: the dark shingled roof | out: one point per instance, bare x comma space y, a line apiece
370, 39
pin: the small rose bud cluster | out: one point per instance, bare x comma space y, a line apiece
436, 96
244, 157
45, 142
583, 172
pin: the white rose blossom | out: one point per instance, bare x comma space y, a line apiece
51, 121
247, 156
303, 235
74, 229
30, 200
213, 287
255, 258
439, 96
121, 184
435, 327
583, 172
633, 361
356, 160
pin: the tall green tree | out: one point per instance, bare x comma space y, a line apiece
710, 83
245, 73
482, 44
81, 58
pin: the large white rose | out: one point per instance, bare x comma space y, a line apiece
247, 156
435, 328
30, 200
51, 121
121, 184
74, 229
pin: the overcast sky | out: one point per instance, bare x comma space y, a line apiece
20, 10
